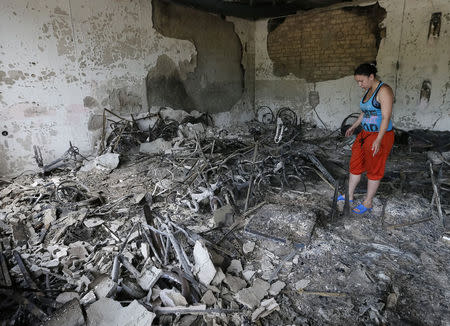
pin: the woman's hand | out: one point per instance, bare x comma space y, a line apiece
349, 131
376, 146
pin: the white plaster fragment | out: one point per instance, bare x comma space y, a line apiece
248, 247
300, 285
235, 267
108, 312
219, 277
157, 146
93, 222
204, 267
208, 298
172, 298
276, 287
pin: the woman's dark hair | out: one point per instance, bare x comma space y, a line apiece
366, 69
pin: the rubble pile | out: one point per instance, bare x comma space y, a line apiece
176, 222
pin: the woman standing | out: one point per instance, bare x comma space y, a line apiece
372, 145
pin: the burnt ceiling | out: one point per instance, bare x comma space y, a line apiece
255, 9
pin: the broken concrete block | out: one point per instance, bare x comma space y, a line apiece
70, 314
204, 267
208, 298
247, 298
105, 162
49, 216
105, 287
248, 274
88, 298
266, 268
252, 296
157, 146
78, 251
93, 222
235, 267
172, 298
218, 278
235, 283
300, 285
276, 288
108, 312
260, 288
67, 296
267, 307
248, 247
224, 216
257, 312
213, 288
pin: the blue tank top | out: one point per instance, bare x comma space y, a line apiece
372, 112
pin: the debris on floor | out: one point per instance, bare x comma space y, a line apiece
178, 223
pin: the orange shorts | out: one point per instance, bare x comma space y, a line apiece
362, 155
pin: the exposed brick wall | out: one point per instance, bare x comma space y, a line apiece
325, 45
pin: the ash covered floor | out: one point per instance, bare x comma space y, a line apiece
162, 229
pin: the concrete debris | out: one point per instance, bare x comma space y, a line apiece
204, 268
300, 285
219, 277
235, 267
149, 241
49, 216
172, 114
248, 274
208, 298
252, 296
276, 288
267, 268
248, 247
224, 216
234, 283
149, 277
88, 298
93, 222
267, 307
107, 312
106, 162
172, 298
158, 146
104, 287
192, 131
69, 314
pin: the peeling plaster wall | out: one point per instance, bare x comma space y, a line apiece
406, 41
63, 61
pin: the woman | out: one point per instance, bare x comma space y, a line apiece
372, 145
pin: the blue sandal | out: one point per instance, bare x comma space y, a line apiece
361, 209
343, 199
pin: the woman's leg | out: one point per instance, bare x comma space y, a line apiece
372, 186
352, 183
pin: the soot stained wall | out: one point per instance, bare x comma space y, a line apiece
326, 45
218, 80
